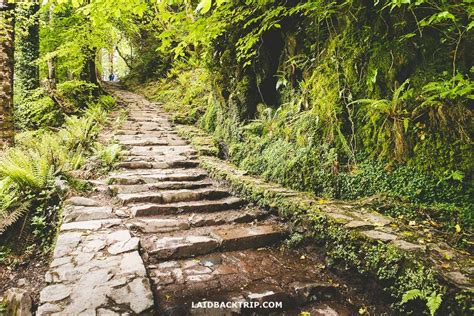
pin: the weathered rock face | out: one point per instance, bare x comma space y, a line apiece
7, 47
18, 302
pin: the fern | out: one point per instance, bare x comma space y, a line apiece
28, 169
412, 295
79, 132
11, 209
446, 104
96, 113
433, 301
387, 121
109, 155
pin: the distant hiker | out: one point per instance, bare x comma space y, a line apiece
111, 77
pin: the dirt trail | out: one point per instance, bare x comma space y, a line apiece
160, 237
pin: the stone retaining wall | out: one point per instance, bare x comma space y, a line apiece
397, 255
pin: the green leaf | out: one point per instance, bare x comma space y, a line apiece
446, 15
204, 6
470, 26
457, 175
411, 295
434, 302
406, 121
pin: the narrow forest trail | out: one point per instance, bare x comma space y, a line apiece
159, 235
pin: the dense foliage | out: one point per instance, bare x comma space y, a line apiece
345, 99
36, 174
56, 124
348, 99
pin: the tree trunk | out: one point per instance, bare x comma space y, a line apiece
51, 62
89, 71
7, 47
52, 73
27, 48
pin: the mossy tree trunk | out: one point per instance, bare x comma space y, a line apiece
27, 48
89, 69
7, 47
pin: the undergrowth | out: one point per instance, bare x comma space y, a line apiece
43, 166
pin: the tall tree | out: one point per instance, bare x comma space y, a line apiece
27, 47
7, 47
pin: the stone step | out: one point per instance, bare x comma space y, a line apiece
150, 209
141, 172
158, 165
244, 215
166, 185
153, 142
163, 224
243, 276
152, 118
217, 238
149, 129
146, 129
173, 196
128, 132
157, 158
135, 137
145, 142
146, 126
156, 177
162, 150
247, 237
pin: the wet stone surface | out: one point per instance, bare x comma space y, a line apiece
236, 276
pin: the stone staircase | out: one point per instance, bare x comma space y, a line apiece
160, 237
194, 233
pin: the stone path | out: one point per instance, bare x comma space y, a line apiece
158, 235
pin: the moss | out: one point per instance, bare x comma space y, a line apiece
78, 94
37, 111
396, 270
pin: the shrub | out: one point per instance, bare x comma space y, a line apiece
78, 132
76, 92
28, 171
37, 111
